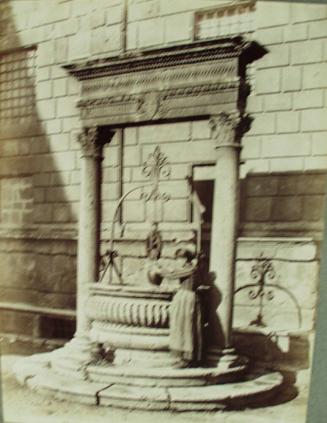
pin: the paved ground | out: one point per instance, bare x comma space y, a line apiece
21, 405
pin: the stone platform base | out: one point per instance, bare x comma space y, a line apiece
172, 389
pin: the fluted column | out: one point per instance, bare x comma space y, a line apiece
89, 224
225, 216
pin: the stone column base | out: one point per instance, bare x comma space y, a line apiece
225, 358
75, 356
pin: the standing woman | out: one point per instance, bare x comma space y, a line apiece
185, 339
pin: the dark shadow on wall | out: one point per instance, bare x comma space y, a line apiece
283, 204
37, 222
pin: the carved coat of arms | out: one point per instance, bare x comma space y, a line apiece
149, 104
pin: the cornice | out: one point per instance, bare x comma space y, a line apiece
142, 60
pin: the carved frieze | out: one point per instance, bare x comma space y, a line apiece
198, 79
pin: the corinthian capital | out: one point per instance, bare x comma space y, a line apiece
224, 129
89, 141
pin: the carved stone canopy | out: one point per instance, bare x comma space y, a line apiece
194, 80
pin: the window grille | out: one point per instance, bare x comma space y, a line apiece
17, 74
234, 18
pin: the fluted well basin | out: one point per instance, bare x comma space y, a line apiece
132, 321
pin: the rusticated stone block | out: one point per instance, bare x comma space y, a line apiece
61, 213
303, 12
287, 209
318, 29
132, 35
319, 145
314, 120
314, 183
257, 209
313, 207
79, 46
178, 28
42, 213
176, 189
176, 211
133, 211
284, 164
288, 122
16, 166
257, 186
151, 32
291, 78
306, 52
277, 102
288, 184
132, 155
297, 32
264, 123
56, 300
308, 99
114, 13
144, 10
110, 191
251, 148
272, 14
153, 134
200, 130
313, 163
278, 56
273, 76
20, 323
270, 36
38, 195
314, 76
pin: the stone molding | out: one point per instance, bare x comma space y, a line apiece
200, 79
151, 60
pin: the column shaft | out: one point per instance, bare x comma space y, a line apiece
224, 234
225, 218
89, 225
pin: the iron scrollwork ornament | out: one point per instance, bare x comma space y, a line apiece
156, 167
264, 289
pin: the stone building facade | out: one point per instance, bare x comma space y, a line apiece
283, 171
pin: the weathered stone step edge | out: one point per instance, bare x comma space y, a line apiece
164, 376
234, 395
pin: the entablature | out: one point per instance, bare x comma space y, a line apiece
194, 80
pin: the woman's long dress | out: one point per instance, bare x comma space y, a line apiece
186, 322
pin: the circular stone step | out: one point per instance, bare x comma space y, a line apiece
256, 391
164, 376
